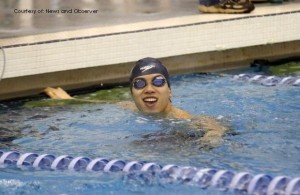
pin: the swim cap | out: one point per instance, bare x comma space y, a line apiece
147, 66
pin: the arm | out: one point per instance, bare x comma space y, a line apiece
60, 94
213, 130
57, 93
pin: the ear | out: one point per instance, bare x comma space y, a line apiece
170, 91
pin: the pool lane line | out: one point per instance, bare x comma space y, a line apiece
268, 80
223, 180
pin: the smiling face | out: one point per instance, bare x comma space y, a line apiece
152, 99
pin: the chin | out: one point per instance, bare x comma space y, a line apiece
150, 111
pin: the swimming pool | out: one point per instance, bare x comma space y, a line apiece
264, 137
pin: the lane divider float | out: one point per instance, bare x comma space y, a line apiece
269, 80
223, 180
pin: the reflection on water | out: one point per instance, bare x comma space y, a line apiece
25, 17
18, 122
61, 127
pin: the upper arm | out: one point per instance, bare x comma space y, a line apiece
211, 126
213, 131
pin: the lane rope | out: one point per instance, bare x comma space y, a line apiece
223, 180
268, 80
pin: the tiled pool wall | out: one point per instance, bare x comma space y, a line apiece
105, 55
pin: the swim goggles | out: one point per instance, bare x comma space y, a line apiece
157, 81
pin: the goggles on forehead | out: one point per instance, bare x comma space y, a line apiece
157, 81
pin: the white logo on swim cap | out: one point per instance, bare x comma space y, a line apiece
145, 68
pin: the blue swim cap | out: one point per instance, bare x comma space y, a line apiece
147, 66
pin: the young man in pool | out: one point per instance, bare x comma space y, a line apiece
151, 92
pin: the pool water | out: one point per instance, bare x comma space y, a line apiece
264, 137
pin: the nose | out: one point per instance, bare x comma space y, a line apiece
149, 89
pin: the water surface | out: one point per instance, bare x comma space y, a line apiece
264, 136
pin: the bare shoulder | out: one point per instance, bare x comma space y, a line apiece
179, 114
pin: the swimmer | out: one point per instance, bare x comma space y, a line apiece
151, 93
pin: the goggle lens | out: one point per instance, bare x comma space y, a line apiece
157, 81
139, 83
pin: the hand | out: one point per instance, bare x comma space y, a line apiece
57, 93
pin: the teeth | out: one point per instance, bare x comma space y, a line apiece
150, 99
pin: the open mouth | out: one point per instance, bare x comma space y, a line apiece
150, 101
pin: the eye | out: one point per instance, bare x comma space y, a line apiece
139, 84
158, 81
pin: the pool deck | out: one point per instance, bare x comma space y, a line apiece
104, 54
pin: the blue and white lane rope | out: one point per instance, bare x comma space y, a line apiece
223, 180
269, 80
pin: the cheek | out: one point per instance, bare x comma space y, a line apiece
135, 95
167, 94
